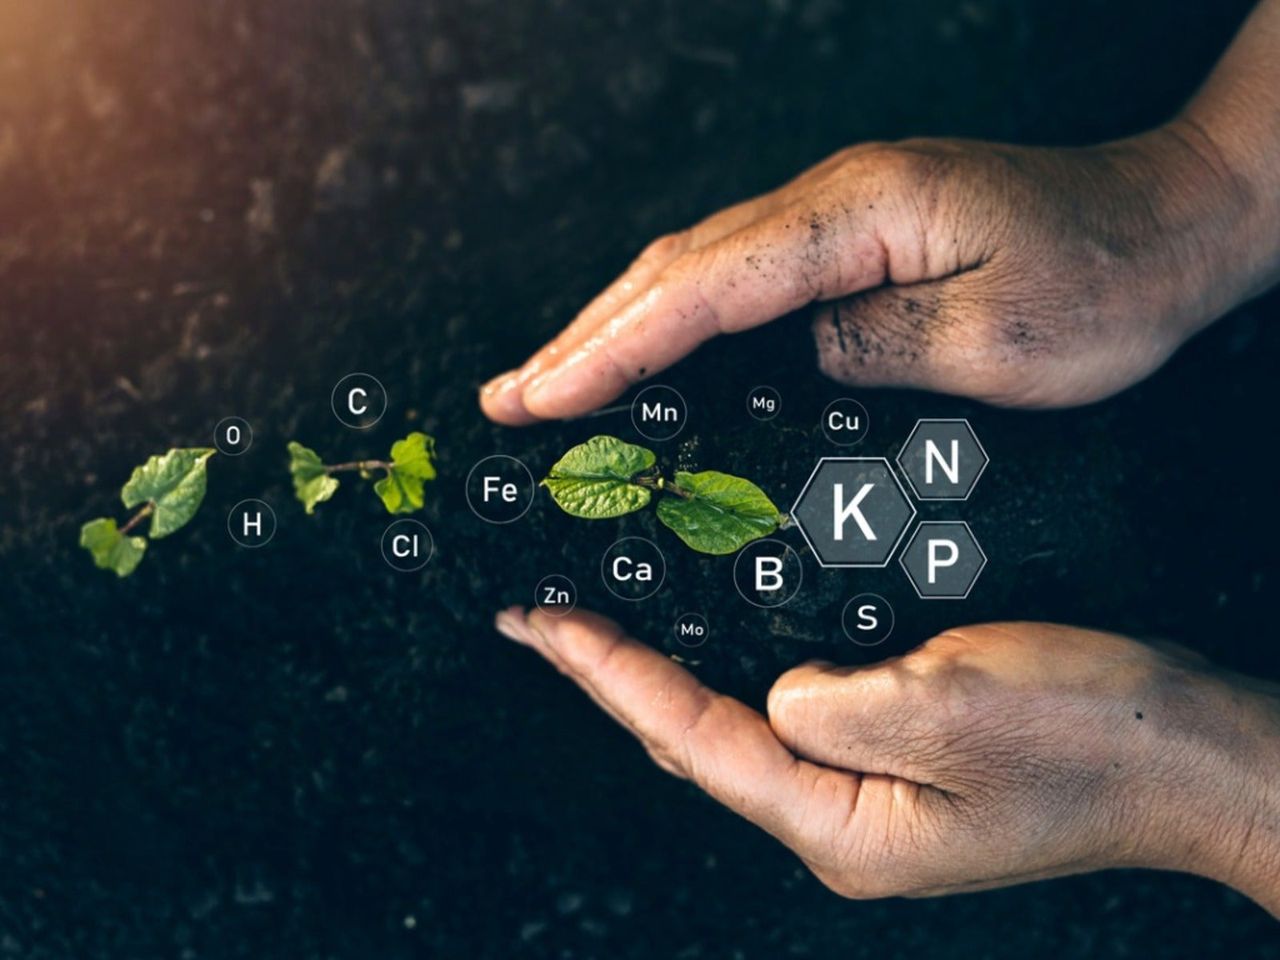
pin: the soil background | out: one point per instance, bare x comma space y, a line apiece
214, 209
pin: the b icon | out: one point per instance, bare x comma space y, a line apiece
767, 573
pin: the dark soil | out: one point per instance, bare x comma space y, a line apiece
213, 209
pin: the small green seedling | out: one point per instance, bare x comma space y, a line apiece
401, 489
168, 488
712, 512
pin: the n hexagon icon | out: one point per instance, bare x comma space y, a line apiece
853, 512
943, 559
942, 459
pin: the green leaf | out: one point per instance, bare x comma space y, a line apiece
112, 550
311, 484
174, 483
721, 514
593, 480
401, 489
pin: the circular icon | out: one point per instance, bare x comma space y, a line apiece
692, 630
500, 489
555, 595
407, 545
767, 573
845, 422
251, 523
358, 400
764, 403
658, 412
867, 619
233, 436
633, 568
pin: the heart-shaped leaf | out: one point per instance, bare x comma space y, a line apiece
312, 484
111, 549
718, 513
174, 483
594, 479
412, 466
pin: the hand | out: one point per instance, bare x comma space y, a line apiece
1017, 276
991, 755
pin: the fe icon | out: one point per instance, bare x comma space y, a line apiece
500, 489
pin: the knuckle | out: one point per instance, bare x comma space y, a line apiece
665, 248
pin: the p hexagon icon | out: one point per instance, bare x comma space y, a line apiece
853, 512
943, 559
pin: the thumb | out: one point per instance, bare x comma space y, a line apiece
877, 720
955, 335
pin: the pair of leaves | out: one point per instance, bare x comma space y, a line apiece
711, 512
401, 490
171, 486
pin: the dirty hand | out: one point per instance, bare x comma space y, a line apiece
1018, 276
989, 756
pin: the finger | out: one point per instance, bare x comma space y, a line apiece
725, 747
769, 268
878, 719
502, 397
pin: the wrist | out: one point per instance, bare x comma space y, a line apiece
1216, 213
1221, 817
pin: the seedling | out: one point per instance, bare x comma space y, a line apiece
401, 489
168, 488
711, 512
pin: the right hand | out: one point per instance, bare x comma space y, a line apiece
1018, 276
991, 755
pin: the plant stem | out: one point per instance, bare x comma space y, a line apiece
146, 511
361, 465
661, 483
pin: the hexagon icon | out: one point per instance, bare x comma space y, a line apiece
942, 459
943, 559
853, 512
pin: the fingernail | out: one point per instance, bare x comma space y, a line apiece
502, 383
537, 387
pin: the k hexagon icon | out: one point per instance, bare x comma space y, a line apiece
853, 512
943, 559
942, 459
